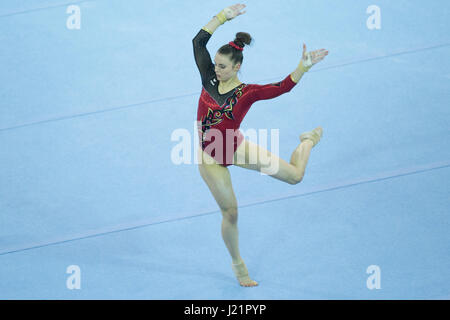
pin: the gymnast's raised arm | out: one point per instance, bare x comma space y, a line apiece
201, 54
308, 60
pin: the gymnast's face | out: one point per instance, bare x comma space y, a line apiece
224, 68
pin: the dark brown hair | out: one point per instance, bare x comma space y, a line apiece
242, 39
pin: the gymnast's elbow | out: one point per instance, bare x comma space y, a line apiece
196, 40
288, 89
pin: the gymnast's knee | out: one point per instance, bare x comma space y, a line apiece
230, 214
296, 178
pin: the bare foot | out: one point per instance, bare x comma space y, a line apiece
313, 135
241, 272
248, 282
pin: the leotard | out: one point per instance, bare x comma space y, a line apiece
225, 112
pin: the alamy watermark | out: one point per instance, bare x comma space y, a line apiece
374, 280
374, 20
186, 150
74, 280
73, 22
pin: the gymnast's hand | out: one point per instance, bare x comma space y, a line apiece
311, 58
234, 11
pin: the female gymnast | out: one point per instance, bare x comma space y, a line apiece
223, 103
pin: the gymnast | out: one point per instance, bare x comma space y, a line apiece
223, 104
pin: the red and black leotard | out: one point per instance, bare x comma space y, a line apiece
225, 112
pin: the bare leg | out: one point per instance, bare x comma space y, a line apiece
300, 156
230, 235
291, 172
218, 181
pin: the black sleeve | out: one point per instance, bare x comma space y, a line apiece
201, 54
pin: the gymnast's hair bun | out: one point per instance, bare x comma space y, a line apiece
242, 39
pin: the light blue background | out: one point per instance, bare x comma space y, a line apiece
86, 178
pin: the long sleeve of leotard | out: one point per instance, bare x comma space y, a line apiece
201, 54
272, 90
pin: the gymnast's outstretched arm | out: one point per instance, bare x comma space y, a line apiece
308, 60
